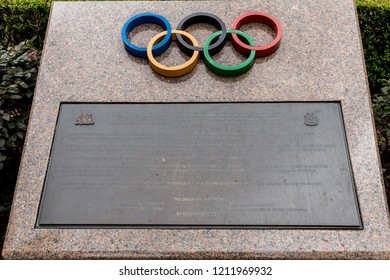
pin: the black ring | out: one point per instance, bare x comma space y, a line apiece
202, 18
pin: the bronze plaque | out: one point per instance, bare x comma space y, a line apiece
266, 165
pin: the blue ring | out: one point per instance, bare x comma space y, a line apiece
140, 19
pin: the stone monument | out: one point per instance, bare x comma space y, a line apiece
279, 162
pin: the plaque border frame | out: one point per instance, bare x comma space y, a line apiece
37, 225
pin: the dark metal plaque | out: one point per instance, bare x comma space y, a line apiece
200, 164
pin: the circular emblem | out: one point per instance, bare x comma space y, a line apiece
311, 119
260, 18
235, 70
144, 18
173, 71
240, 41
195, 18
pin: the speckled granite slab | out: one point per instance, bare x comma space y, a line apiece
320, 59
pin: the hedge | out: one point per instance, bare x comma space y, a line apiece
18, 72
374, 21
21, 20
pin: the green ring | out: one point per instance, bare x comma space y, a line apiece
229, 71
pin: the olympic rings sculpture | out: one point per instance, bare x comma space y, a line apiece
189, 45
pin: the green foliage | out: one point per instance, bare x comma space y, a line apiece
374, 21
20, 20
18, 71
382, 3
381, 108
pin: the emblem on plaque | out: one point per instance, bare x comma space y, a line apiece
85, 119
311, 119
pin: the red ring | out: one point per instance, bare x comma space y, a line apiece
261, 18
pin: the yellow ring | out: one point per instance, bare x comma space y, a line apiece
172, 71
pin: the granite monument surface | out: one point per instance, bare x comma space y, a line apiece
316, 79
